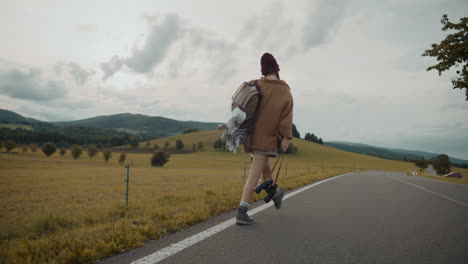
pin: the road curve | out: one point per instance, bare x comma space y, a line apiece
370, 217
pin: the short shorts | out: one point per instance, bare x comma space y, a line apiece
270, 153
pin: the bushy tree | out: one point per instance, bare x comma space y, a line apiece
292, 149
24, 148
134, 143
107, 153
200, 146
9, 145
219, 145
156, 146
92, 151
313, 138
76, 151
166, 146
49, 149
33, 147
179, 145
62, 151
159, 158
421, 164
295, 132
122, 158
441, 164
452, 51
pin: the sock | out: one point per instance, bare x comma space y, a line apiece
244, 204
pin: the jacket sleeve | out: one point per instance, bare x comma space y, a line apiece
286, 118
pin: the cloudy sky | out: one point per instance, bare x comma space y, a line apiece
354, 66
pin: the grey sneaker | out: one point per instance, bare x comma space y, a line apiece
278, 198
242, 217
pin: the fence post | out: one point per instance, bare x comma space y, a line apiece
243, 177
128, 181
286, 172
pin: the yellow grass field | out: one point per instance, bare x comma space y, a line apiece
15, 126
60, 210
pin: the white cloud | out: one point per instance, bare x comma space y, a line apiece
142, 60
324, 17
78, 73
86, 28
29, 85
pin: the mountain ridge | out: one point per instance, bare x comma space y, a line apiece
392, 153
136, 124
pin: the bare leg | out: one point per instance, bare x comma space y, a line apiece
258, 166
266, 172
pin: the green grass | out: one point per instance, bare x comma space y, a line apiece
60, 210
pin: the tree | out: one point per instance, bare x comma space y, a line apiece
33, 147
200, 146
292, 149
179, 145
9, 145
134, 143
92, 151
441, 164
76, 151
320, 141
24, 148
49, 149
452, 51
159, 158
219, 145
62, 151
421, 164
295, 132
122, 158
194, 148
166, 146
107, 153
311, 137
156, 146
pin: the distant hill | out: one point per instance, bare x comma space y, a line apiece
136, 124
146, 126
10, 117
388, 153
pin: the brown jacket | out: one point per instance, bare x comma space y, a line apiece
273, 116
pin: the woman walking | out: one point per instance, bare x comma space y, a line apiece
273, 129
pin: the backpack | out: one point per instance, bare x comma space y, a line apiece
247, 98
243, 112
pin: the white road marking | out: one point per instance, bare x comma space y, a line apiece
424, 189
183, 244
436, 180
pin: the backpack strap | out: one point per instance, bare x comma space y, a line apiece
252, 121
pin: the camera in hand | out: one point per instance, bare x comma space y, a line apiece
269, 187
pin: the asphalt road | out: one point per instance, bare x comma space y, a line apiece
371, 217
